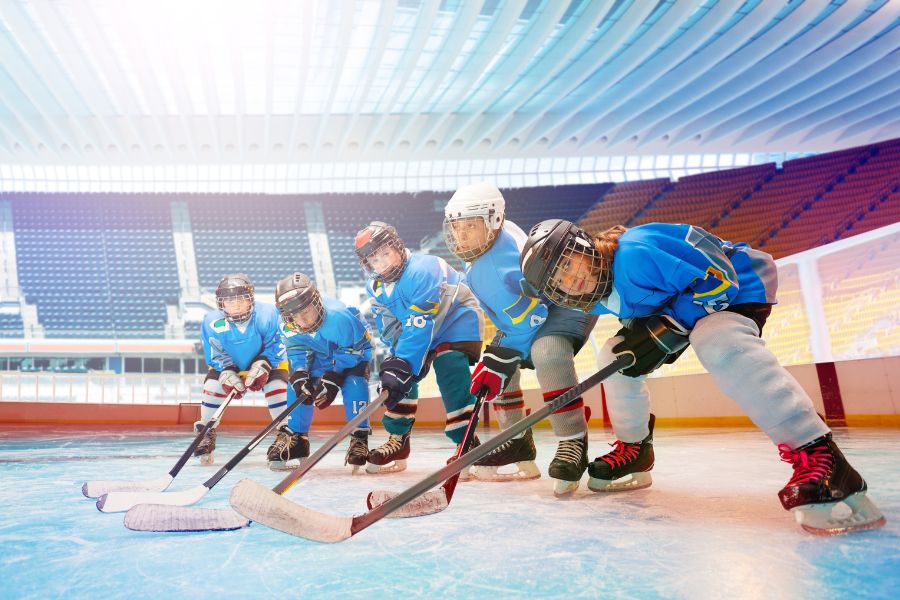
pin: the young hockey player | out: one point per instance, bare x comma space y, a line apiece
427, 315
537, 334
329, 349
242, 344
677, 284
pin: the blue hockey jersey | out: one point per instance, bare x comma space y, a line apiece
342, 342
228, 345
429, 305
497, 281
686, 273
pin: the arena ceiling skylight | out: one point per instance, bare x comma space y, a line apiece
231, 81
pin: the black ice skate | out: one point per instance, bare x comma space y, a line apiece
519, 452
358, 450
287, 449
568, 465
823, 480
204, 449
391, 456
465, 474
626, 468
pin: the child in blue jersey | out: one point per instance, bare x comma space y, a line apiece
243, 349
674, 285
537, 335
427, 316
329, 349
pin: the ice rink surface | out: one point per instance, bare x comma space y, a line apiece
710, 526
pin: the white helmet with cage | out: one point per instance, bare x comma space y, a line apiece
467, 209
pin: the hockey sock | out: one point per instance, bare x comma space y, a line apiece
451, 368
627, 401
510, 406
275, 391
554, 361
212, 396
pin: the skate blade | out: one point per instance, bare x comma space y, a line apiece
396, 467
284, 465
820, 519
525, 471
564, 489
206, 459
354, 469
634, 481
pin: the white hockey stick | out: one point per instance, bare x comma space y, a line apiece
95, 489
157, 517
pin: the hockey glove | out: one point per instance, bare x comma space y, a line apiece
329, 386
496, 368
230, 380
304, 386
257, 375
652, 341
397, 378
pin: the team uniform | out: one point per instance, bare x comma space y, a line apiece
539, 335
428, 317
677, 284
340, 350
243, 355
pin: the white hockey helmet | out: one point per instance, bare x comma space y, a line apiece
479, 200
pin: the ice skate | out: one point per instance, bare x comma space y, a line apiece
466, 474
568, 465
390, 457
826, 494
288, 449
358, 450
626, 468
518, 453
204, 450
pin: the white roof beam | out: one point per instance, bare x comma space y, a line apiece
348, 10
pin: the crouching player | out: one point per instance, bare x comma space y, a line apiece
244, 352
439, 324
329, 349
678, 284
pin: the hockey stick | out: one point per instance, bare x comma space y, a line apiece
95, 489
259, 504
155, 517
436, 501
120, 501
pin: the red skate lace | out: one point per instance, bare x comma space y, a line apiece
622, 453
811, 464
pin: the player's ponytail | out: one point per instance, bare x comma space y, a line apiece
607, 242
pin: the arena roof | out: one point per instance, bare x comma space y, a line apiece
216, 81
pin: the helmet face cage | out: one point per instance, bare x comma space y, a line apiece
294, 295
581, 277
458, 228
235, 287
373, 240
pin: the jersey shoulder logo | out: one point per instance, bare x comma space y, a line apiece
220, 326
537, 320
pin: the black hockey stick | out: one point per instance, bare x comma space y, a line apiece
436, 501
259, 504
95, 489
120, 501
154, 517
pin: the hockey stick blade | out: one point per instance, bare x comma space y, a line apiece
95, 489
262, 505
165, 518
116, 501
258, 504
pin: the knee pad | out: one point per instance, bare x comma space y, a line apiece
552, 352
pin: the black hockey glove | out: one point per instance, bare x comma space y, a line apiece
497, 366
652, 341
329, 386
397, 378
303, 385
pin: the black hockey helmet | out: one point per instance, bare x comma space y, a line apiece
375, 236
561, 260
293, 295
235, 286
